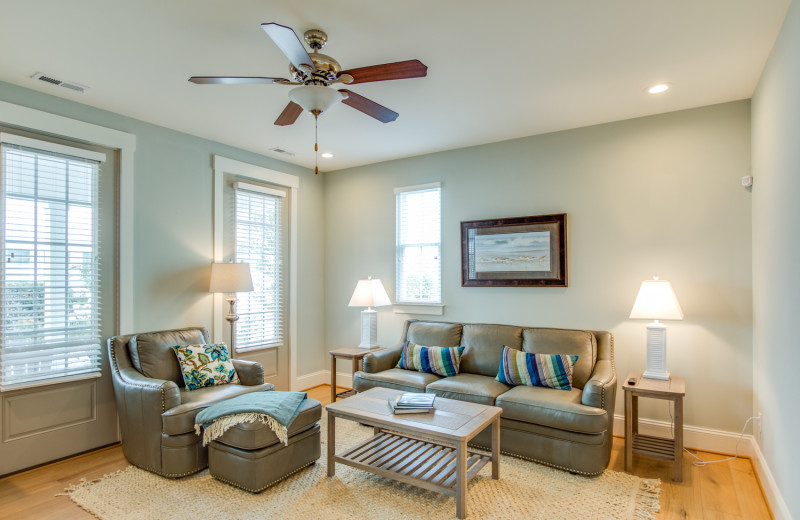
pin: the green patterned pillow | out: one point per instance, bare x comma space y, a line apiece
443, 361
205, 365
523, 368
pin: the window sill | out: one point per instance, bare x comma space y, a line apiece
436, 309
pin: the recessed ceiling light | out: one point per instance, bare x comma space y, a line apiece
327, 155
658, 89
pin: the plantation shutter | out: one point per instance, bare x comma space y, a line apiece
49, 274
418, 261
261, 233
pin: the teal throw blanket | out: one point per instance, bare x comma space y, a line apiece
275, 409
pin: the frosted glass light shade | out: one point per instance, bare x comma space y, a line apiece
230, 278
656, 301
369, 293
315, 97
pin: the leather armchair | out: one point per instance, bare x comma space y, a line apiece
156, 412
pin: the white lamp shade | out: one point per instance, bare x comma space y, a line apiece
656, 301
315, 97
230, 278
369, 293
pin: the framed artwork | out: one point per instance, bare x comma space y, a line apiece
521, 251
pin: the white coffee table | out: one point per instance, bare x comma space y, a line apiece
426, 450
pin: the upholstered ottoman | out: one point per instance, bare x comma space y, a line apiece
251, 457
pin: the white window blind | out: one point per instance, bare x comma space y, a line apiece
419, 264
49, 274
261, 233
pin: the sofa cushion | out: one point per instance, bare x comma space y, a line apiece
152, 355
484, 344
524, 368
181, 418
205, 365
553, 408
443, 361
581, 343
255, 435
434, 333
474, 388
397, 378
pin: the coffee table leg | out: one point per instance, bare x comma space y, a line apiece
496, 449
461, 480
331, 443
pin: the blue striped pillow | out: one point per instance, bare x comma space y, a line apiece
523, 368
443, 361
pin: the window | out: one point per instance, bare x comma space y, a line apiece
260, 231
49, 273
419, 247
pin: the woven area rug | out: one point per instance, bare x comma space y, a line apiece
525, 490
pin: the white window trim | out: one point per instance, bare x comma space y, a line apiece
426, 308
223, 165
45, 122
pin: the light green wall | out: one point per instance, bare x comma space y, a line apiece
173, 234
656, 195
776, 258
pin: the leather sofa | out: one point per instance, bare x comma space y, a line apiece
156, 411
570, 430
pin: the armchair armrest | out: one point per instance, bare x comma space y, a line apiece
251, 373
600, 389
147, 394
382, 360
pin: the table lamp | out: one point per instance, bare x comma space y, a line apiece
231, 278
656, 301
369, 293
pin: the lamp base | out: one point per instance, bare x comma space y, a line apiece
656, 352
369, 329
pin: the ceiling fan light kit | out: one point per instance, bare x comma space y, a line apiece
315, 73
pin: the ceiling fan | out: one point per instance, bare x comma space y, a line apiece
315, 74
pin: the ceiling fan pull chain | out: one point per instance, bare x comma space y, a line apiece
316, 148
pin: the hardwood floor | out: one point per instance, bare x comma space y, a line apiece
728, 490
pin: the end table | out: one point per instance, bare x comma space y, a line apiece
673, 390
354, 353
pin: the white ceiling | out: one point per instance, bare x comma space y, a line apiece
497, 69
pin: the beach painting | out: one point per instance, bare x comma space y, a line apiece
509, 252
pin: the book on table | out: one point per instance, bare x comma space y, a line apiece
411, 402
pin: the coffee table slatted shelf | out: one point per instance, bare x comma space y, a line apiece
411, 460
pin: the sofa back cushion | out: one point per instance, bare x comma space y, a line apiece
434, 334
484, 347
152, 354
561, 341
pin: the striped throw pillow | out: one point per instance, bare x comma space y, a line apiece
443, 361
523, 368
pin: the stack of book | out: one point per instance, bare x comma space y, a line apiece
412, 403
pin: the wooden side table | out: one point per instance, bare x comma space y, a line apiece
671, 449
354, 353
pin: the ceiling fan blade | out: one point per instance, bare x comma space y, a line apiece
227, 80
289, 114
369, 107
288, 42
399, 70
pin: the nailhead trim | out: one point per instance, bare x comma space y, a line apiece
515, 455
266, 486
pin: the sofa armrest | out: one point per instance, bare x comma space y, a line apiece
251, 373
382, 360
144, 393
600, 389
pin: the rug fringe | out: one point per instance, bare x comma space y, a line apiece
647, 499
86, 483
223, 424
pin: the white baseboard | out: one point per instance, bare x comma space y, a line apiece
323, 377
693, 436
722, 442
774, 498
